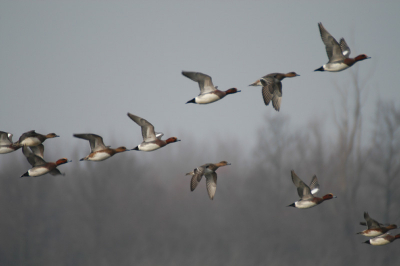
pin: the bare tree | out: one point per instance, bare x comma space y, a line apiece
386, 153
348, 121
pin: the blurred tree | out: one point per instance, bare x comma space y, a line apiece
386, 156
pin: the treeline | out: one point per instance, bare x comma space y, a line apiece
134, 211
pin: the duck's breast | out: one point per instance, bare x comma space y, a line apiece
31, 141
6, 149
305, 204
38, 171
335, 67
99, 156
207, 98
149, 146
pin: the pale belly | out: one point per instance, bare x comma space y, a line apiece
206, 98
335, 67
304, 204
6, 150
38, 171
372, 233
30, 142
378, 241
99, 156
148, 147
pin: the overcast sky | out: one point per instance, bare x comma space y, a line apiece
79, 66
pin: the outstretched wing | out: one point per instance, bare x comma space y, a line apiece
148, 133
211, 182
33, 159
314, 185
96, 141
205, 82
302, 189
332, 47
345, 48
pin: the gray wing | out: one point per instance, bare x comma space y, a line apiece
159, 135
277, 97
345, 48
5, 138
95, 141
371, 223
28, 134
314, 185
205, 82
148, 133
193, 182
211, 182
331, 45
302, 189
365, 224
33, 159
38, 150
199, 172
272, 90
55, 171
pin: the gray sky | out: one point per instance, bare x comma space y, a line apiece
79, 66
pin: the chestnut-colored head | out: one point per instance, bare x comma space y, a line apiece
222, 163
51, 135
329, 196
291, 75
361, 57
233, 90
121, 149
62, 161
171, 140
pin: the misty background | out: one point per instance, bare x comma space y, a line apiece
80, 66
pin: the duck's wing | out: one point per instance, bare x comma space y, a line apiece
277, 96
38, 150
95, 141
268, 88
148, 133
211, 182
365, 224
193, 183
28, 134
345, 48
5, 138
272, 90
302, 189
199, 171
205, 82
197, 175
331, 45
314, 185
55, 171
371, 223
159, 135
33, 159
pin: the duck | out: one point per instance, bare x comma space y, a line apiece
98, 151
31, 138
6, 144
39, 165
382, 239
208, 170
338, 53
272, 87
307, 193
375, 228
151, 140
208, 93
